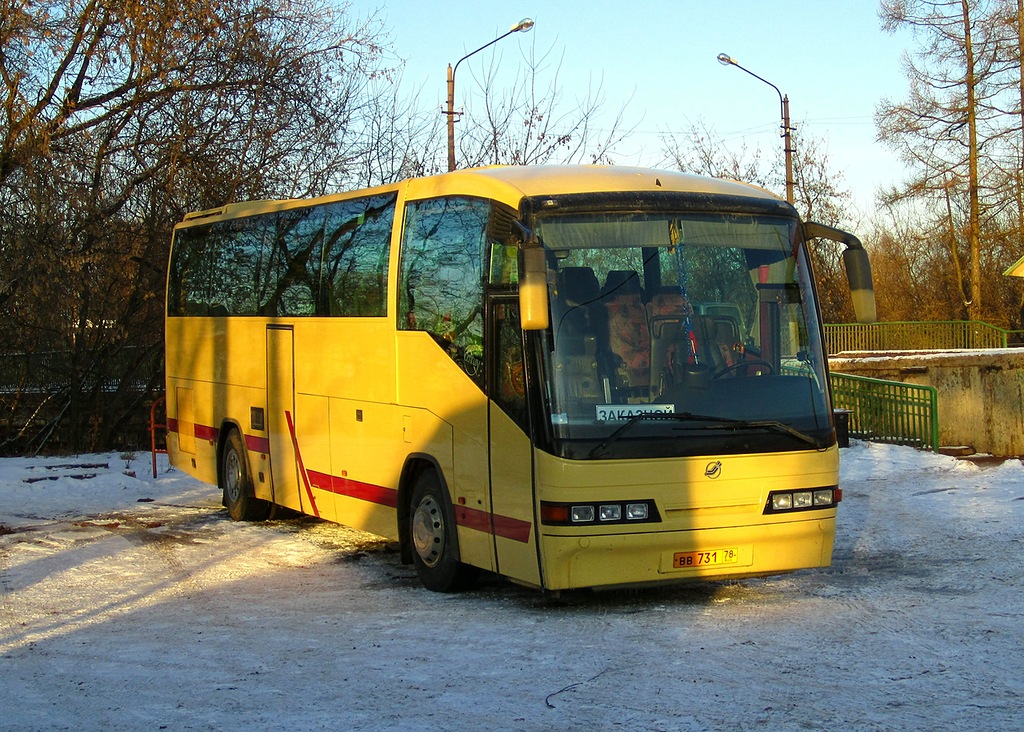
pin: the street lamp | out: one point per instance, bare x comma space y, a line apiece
523, 25
727, 60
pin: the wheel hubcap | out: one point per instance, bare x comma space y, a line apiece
232, 476
428, 531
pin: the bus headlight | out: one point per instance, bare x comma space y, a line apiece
825, 497
807, 499
582, 514
604, 512
636, 511
610, 512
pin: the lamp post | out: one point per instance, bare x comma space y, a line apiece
727, 60
523, 25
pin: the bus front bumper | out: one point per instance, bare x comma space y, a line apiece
608, 560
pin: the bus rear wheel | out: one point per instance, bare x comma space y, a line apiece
236, 484
433, 538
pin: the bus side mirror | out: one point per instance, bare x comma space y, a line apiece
857, 265
533, 290
862, 289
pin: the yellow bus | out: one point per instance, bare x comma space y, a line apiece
571, 376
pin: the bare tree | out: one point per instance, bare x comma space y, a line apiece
400, 139
532, 122
702, 152
940, 130
118, 117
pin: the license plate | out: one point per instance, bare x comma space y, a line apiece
706, 558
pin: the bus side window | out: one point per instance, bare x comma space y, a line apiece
189, 278
292, 250
442, 276
354, 272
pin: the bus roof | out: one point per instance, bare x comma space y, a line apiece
510, 184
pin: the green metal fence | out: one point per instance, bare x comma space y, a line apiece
911, 336
888, 411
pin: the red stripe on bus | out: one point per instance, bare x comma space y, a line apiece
257, 444
471, 518
204, 432
512, 528
354, 489
504, 526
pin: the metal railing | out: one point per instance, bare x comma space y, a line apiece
48, 372
888, 411
912, 336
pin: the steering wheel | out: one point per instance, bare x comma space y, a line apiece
742, 364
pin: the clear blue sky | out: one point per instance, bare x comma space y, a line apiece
829, 56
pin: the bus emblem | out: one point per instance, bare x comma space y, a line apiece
713, 470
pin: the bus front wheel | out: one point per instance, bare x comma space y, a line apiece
432, 534
234, 478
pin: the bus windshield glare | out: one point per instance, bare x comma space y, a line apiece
681, 334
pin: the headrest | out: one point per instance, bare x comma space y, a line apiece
622, 282
579, 284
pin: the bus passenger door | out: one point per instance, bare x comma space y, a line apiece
284, 468
511, 462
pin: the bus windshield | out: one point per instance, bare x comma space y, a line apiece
681, 334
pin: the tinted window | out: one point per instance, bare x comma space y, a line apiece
188, 285
443, 250
315, 260
355, 266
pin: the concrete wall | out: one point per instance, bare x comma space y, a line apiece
980, 393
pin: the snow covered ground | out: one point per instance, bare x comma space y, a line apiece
135, 604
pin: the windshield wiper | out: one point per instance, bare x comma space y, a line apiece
771, 425
716, 423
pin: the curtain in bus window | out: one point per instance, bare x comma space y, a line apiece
443, 251
354, 272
